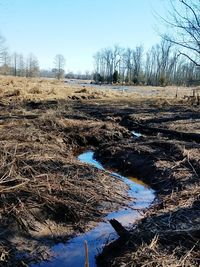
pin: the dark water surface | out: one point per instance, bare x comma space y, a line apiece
72, 253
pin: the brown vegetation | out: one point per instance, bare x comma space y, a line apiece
46, 193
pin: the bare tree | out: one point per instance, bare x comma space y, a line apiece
137, 63
108, 62
21, 66
6, 63
128, 64
15, 63
160, 63
2, 48
59, 62
162, 66
32, 66
184, 19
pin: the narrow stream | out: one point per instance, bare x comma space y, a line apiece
72, 253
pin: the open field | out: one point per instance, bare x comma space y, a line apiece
47, 195
49, 89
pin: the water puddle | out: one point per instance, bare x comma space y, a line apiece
136, 134
72, 253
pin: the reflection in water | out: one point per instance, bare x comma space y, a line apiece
137, 181
72, 253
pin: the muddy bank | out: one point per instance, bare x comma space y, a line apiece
158, 162
170, 232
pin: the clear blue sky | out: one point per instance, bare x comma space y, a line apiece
77, 28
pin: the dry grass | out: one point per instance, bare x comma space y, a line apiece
48, 89
38, 89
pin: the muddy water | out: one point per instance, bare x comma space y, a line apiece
72, 253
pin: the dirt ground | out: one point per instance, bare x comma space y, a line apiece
48, 195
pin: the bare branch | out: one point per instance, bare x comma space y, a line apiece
186, 21
192, 60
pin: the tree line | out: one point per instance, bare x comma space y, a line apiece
175, 60
161, 65
16, 64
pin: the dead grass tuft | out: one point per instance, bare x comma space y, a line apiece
35, 90
12, 92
